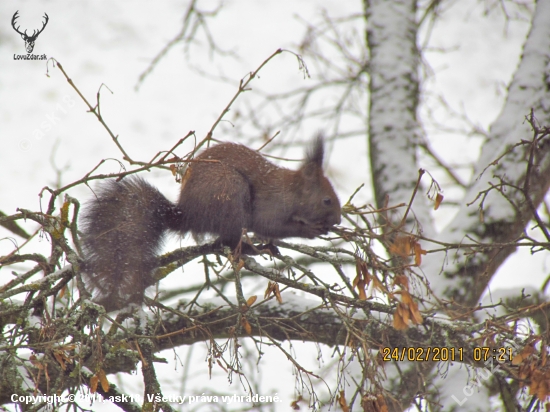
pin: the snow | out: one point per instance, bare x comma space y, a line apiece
45, 128
508, 129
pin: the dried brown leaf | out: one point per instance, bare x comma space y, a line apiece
401, 246
246, 326
277, 293
103, 379
60, 358
250, 301
416, 316
418, 252
94, 380
361, 290
269, 289
398, 321
438, 200
342, 402
62, 292
402, 281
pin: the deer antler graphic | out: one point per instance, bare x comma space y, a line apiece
29, 40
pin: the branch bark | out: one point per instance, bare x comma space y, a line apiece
501, 214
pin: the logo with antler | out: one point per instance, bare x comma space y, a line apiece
29, 40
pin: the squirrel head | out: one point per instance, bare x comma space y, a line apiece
317, 205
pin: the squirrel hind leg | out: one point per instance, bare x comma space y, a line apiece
123, 229
216, 199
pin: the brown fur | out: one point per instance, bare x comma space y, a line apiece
124, 225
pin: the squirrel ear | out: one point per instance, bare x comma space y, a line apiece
314, 157
316, 151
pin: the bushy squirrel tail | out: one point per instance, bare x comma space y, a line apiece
123, 230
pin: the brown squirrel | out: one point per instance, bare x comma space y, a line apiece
236, 188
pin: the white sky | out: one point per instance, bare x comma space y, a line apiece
112, 42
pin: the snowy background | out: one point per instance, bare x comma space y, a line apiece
48, 138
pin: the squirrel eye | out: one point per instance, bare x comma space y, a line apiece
327, 201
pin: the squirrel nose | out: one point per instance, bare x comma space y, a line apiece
335, 218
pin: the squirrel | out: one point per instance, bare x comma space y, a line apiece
231, 189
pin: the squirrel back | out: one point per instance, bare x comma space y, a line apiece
228, 188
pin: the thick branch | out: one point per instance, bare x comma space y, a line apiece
506, 203
393, 101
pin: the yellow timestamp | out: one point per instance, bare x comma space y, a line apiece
420, 354
444, 354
